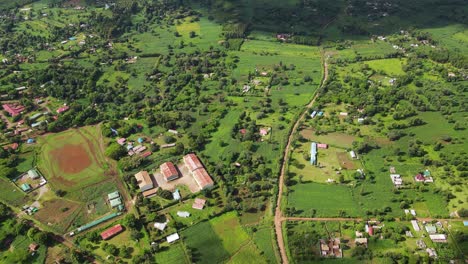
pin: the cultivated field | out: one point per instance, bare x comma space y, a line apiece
217, 239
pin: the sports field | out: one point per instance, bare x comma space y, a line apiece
73, 159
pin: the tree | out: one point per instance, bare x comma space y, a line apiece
41, 238
116, 151
131, 221
463, 212
135, 235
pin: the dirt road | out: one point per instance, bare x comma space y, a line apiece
278, 215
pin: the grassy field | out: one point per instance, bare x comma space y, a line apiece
263, 238
172, 254
392, 67
216, 240
11, 194
324, 199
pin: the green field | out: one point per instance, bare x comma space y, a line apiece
172, 254
324, 199
217, 239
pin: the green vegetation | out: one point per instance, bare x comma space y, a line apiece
227, 80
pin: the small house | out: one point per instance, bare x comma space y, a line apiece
353, 154
33, 174
183, 214
176, 195
30, 141
438, 238
430, 229
314, 113
160, 226
172, 238
25, 187
33, 247
415, 225
63, 109
121, 141
322, 146
144, 181
114, 195
419, 178
431, 252
361, 241
150, 193
115, 202
198, 204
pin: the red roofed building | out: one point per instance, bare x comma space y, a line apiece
199, 172
63, 109
419, 178
192, 162
169, 171
243, 131
13, 109
146, 154
202, 178
111, 232
370, 231
13, 146
322, 146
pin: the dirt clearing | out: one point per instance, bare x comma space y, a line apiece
71, 158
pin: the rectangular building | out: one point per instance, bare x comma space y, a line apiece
111, 232
192, 162
144, 181
202, 178
169, 171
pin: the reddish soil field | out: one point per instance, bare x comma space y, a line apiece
71, 158
345, 162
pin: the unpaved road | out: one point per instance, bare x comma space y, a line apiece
278, 215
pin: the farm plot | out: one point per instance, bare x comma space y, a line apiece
323, 200
216, 240
172, 254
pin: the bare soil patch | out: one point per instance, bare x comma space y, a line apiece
71, 159
185, 179
345, 162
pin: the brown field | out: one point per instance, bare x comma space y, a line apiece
345, 162
71, 158
51, 212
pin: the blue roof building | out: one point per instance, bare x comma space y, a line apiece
30, 141
313, 153
141, 140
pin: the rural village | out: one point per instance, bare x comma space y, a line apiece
177, 132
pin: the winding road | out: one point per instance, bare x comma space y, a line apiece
278, 214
